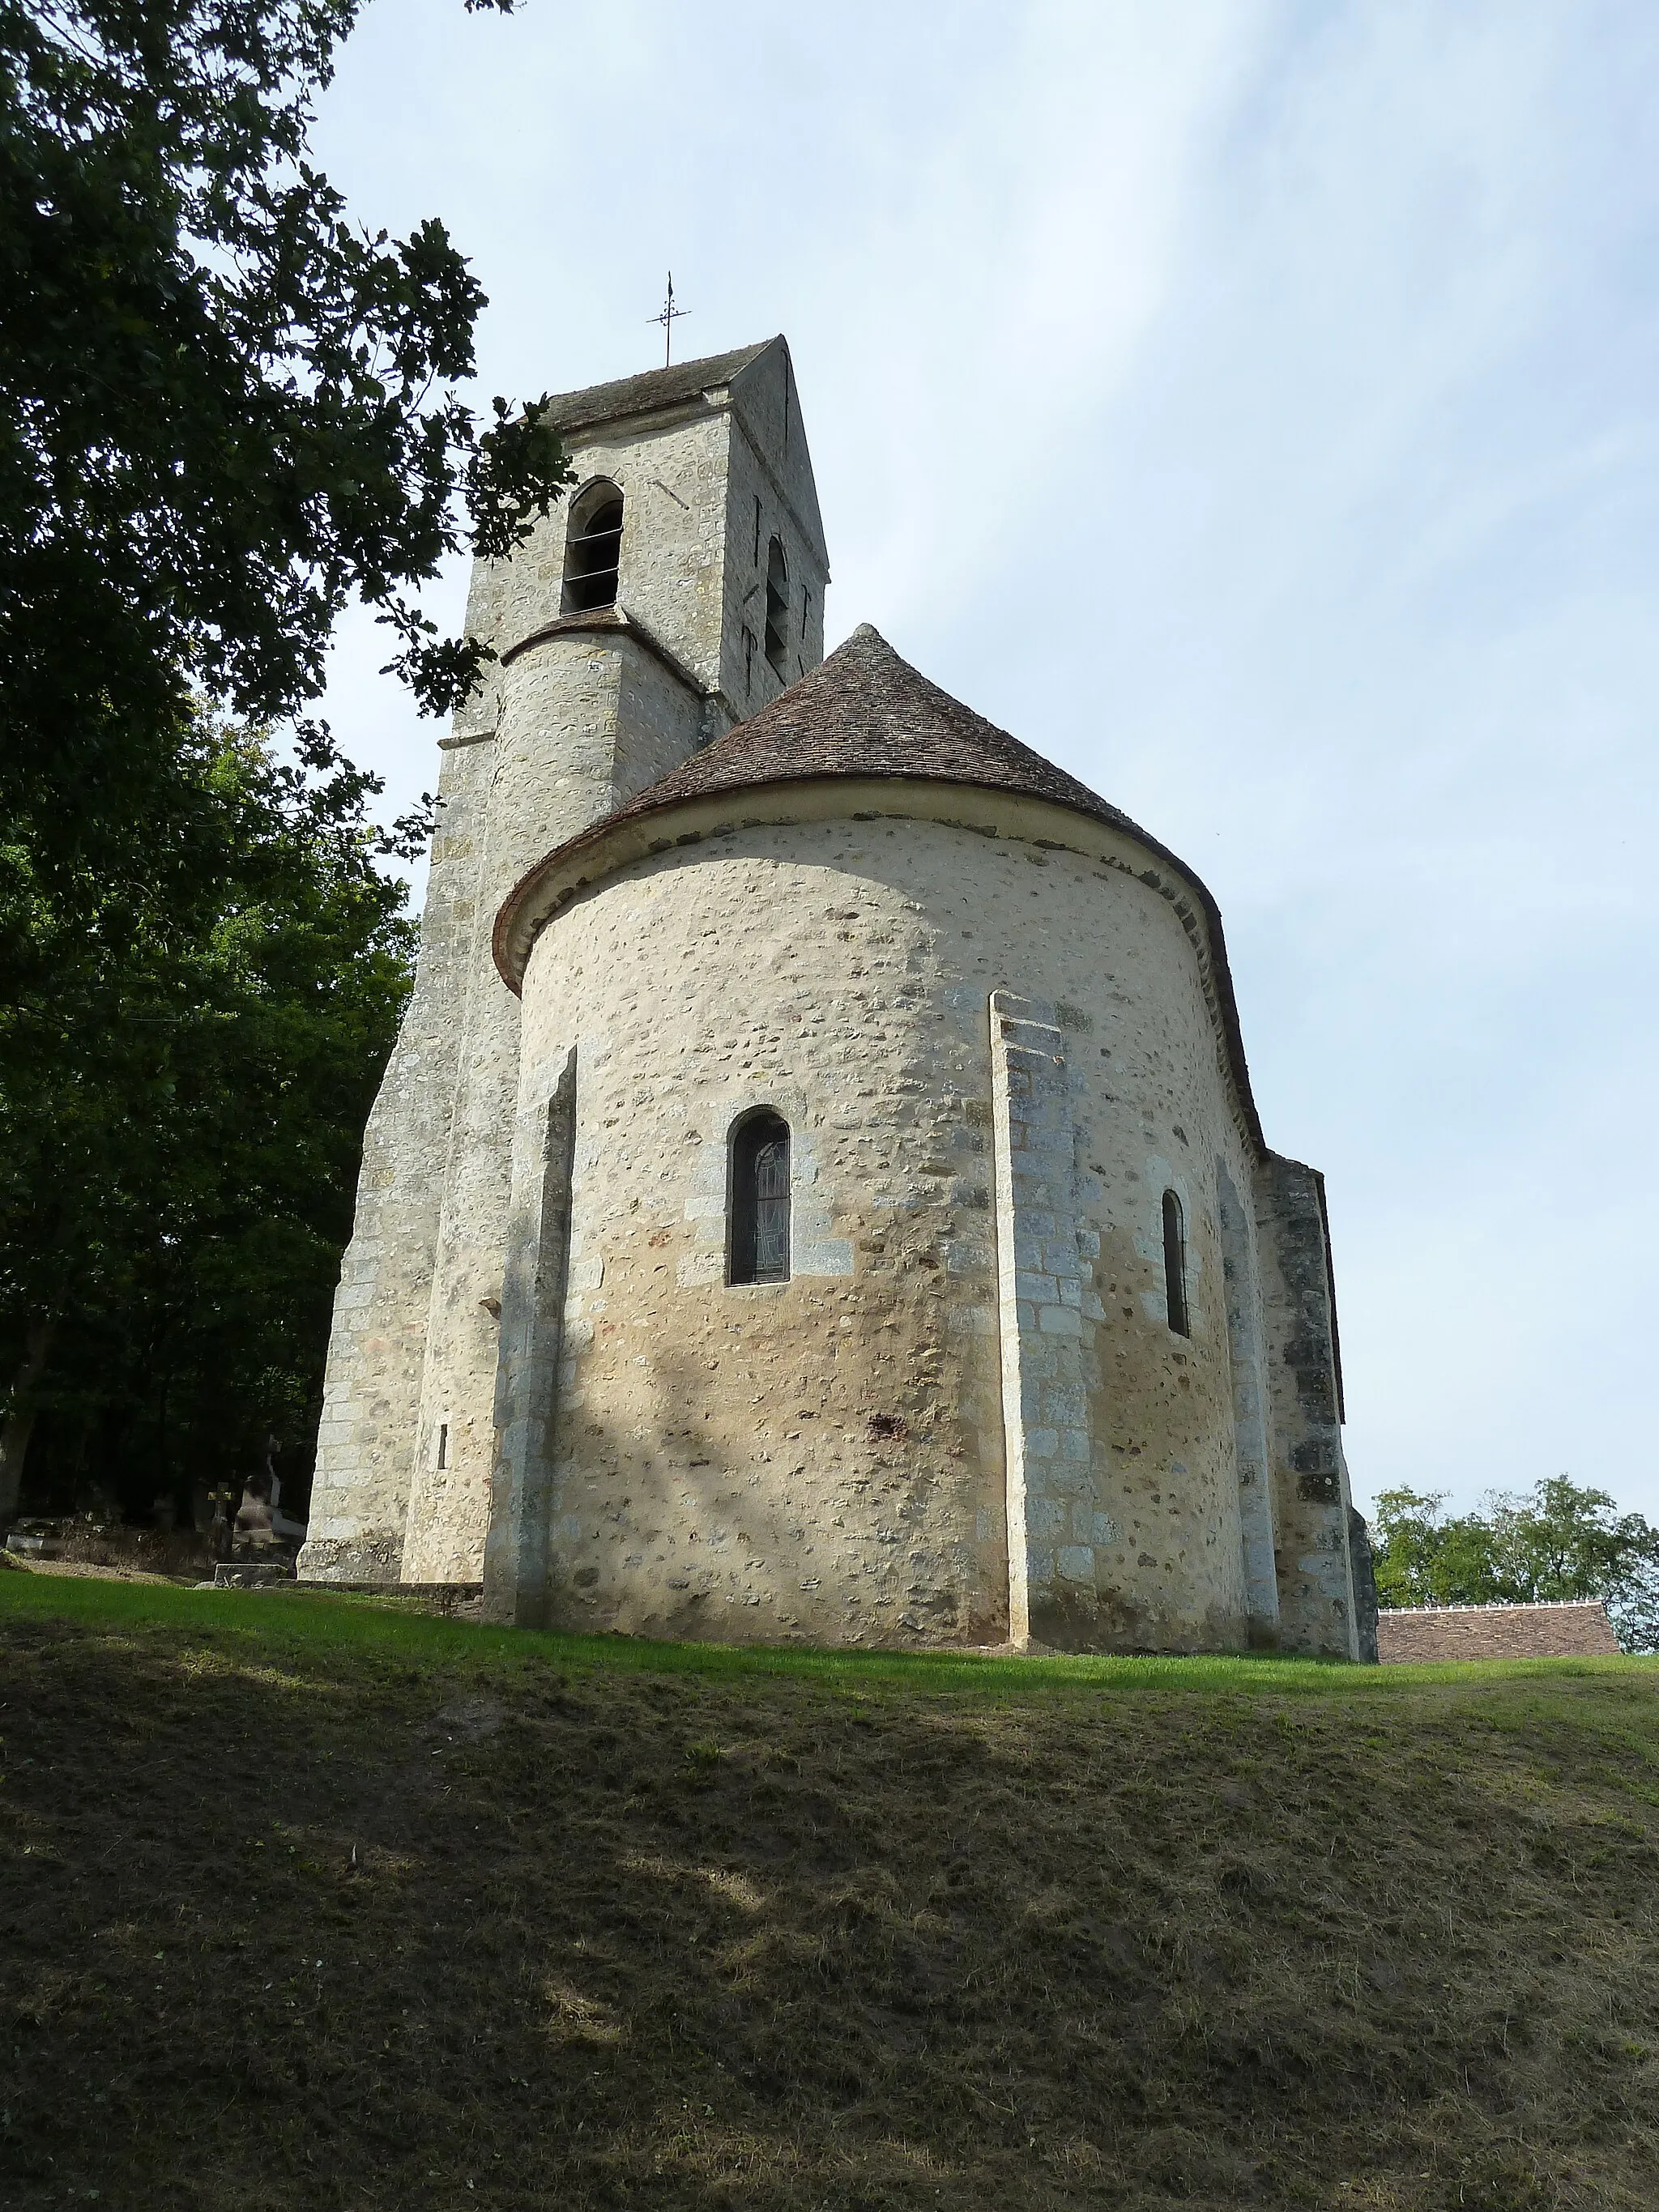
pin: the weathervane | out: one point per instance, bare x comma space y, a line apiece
670, 314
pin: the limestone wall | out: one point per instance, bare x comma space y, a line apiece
824, 1459
1308, 1472
625, 720
377, 1346
770, 493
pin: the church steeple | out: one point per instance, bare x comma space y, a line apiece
678, 590
713, 549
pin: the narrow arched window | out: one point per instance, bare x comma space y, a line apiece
759, 1199
777, 606
1174, 1263
593, 552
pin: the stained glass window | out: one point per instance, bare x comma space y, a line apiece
760, 1199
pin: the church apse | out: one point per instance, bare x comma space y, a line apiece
817, 1195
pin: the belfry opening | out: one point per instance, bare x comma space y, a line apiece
593, 554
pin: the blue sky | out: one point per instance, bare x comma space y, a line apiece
1254, 407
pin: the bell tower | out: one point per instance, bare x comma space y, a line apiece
677, 590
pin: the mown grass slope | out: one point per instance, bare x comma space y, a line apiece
309, 1903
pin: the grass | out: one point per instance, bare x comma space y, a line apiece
311, 1901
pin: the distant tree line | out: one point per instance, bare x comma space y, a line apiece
225, 412
1557, 1540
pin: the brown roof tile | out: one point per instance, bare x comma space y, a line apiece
1575, 1630
865, 712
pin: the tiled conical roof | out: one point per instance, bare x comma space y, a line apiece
866, 711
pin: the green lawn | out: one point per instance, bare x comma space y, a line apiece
399, 1630
313, 1901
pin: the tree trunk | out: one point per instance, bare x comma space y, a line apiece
20, 1421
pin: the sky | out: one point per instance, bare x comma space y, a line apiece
1254, 405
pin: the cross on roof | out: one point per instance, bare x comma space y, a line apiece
670, 314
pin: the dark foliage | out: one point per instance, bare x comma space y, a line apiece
177, 1198
225, 411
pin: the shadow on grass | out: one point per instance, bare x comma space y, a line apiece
309, 1902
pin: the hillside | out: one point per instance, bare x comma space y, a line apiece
312, 1902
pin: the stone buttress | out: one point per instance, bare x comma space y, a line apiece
1043, 1301
1321, 1609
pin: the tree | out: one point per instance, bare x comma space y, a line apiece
224, 412
1558, 1541
192, 1181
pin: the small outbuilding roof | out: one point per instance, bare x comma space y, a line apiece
655, 388
1574, 1628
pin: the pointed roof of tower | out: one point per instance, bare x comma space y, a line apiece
654, 388
756, 383
865, 712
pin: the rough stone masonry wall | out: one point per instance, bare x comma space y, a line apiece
626, 715
377, 1344
768, 465
1310, 1475
560, 733
673, 476
824, 1459
817, 1459
587, 720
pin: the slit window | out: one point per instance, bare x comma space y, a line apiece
760, 1199
1174, 1264
593, 554
443, 1444
777, 606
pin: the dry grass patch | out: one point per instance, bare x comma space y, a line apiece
425, 1921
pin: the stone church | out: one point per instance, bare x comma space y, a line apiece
817, 1195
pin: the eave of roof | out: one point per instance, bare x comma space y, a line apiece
863, 715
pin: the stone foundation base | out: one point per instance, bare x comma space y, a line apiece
375, 1558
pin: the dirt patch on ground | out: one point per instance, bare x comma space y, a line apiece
95, 1571
141, 1554
280, 1931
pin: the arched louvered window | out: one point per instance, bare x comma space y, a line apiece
759, 1199
777, 608
1174, 1263
593, 552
